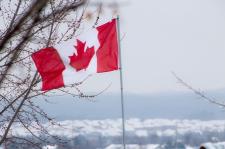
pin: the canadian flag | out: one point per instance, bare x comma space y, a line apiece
72, 61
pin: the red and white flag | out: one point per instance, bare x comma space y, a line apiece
74, 60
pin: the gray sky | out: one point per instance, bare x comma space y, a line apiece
184, 36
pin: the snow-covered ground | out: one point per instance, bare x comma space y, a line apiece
218, 145
141, 128
50, 147
144, 134
147, 146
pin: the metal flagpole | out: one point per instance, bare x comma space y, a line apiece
121, 82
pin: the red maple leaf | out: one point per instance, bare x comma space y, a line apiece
83, 58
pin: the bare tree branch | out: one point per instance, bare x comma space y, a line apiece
198, 92
34, 9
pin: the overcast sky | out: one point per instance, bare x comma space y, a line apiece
184, 36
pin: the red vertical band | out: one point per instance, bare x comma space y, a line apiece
107, 54
50, 66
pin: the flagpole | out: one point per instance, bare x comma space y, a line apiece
121, 82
